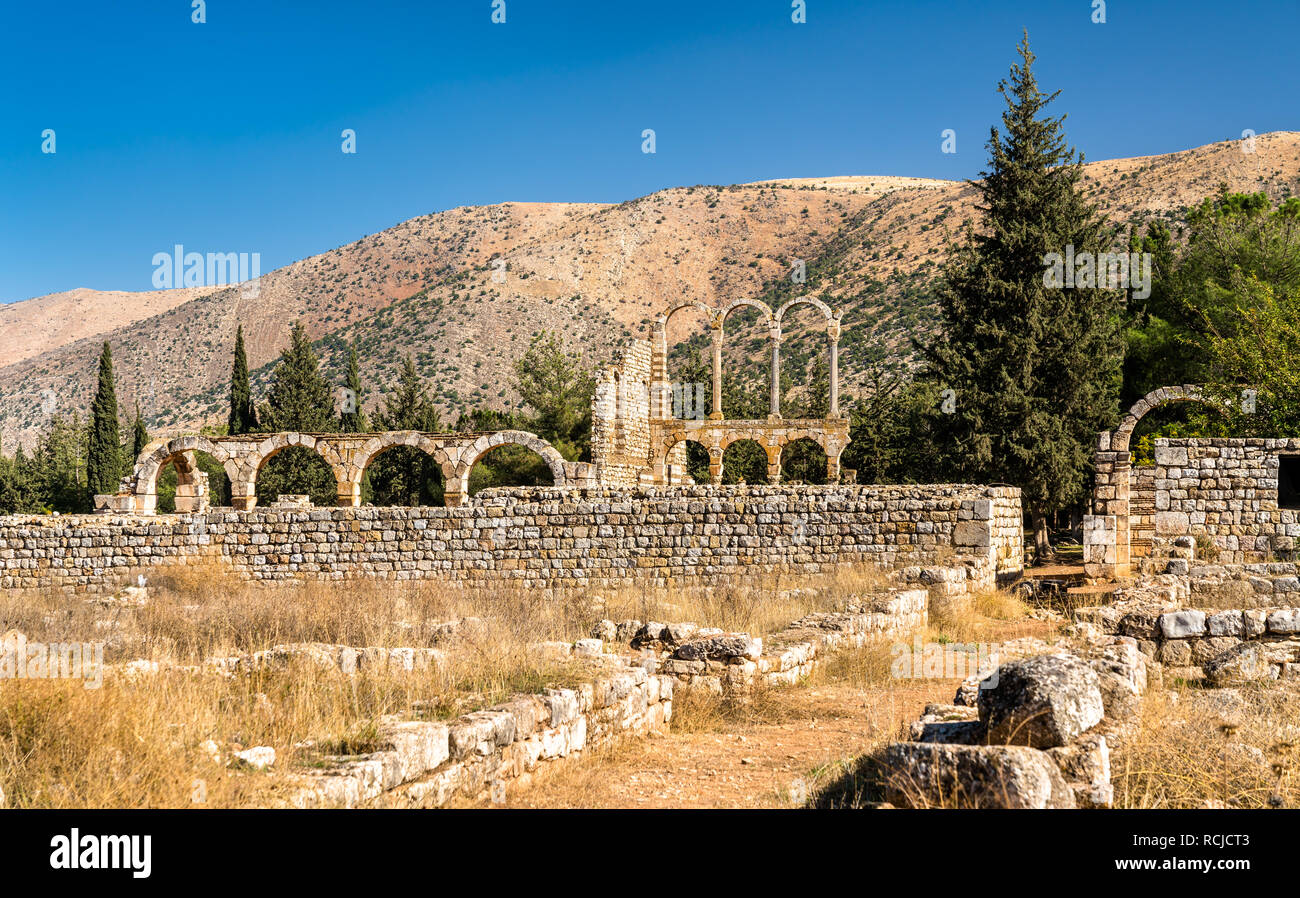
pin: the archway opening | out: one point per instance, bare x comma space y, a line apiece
689, 343
746, 364
687, 461
179, 482
744, 461
805, 363
803, 461
402, 475
1186, 418
296, 470
509, 464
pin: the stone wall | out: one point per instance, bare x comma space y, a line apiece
428, 764
544, 537
620, 418
1226, 490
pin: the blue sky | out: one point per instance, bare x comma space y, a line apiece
225, 136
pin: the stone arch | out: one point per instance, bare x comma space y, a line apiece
816, 439
458, 482
1119, 441
769, 451
671, 465
157, 454
764, 309
831, 316
355, 469
1109, 540
272, 446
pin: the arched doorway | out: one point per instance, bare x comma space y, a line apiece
191, 481
402, 475
744, 461
295, 470
804, 461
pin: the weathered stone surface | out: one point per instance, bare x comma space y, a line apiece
1182, 624
1122, 675
1285, 620
1041, 702
258, 758
1246, 662
919, 775
1226, 623
1086, 761
731, 645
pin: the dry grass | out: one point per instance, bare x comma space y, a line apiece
1198, 747
139, 740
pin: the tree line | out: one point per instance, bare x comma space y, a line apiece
76, 457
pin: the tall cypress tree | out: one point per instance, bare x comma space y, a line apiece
1033, 366
243, 414
139, 435
103, 447
353, 421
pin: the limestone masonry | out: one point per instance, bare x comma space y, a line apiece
547, 537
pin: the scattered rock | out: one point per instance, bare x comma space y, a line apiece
1041, 702
258, 758
725, 647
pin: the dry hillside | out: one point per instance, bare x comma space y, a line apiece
595, 273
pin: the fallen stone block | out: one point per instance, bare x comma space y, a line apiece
920, 775
1042, 702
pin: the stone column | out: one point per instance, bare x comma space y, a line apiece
833, 338
715, 465
774, 401
833, 465
660, 389
773, 463
243, 495
716, 328
349, 491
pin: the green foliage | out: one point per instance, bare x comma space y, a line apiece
299, 400
139, 439
892, 428
1221, 313
104, 448
1034, 368
243, 413
19, 485
557, 387
405, 475
354, 421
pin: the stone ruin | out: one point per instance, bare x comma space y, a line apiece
636, 440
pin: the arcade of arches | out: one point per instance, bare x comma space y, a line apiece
635, 439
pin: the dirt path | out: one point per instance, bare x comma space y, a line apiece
799, 737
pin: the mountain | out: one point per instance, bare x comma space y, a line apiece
466, 289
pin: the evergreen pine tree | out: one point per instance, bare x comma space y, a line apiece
353, 421
405, 475
243, 414
139, 435
299, 400
1034, 369
104, 449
